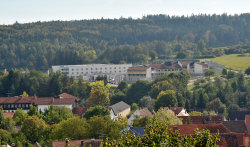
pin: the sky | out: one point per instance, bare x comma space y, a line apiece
25, 11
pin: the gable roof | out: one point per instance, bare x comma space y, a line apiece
176, 110
119, 107
164, 66
236, 126
62, 99
145, 112
8, 114
201, 119
66, 95
189, 129
138, 68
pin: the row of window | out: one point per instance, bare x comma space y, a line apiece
98, 68
85, 73
14, 106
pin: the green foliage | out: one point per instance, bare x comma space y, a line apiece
5, 137
195, 113
1, 117
96, 111
117, 97
19, 116
136, 91
33, 112
56, 114
72, 128
224, 71
247, 71
123, 85
164, 116
100, 127
9, 124
166, 99
147, 102
209, 73
141, 121
158, 134
134, 107
34, 128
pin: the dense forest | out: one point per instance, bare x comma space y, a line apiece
42, 44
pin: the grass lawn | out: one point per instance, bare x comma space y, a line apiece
233, 61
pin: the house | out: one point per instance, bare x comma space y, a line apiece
139, 113
8, 114
137, 131
198, 68
89, 72
178, 111
139, 73
78, 143
119, 110
238, 115
202, 119
10, 104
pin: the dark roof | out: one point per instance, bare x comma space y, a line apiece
201, 63
201, 119
236, 126
119, 107
19, 99
138, 131
238, 115
54, 101
145, 112
189, 129
74, 143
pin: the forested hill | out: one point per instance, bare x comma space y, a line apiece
42, 44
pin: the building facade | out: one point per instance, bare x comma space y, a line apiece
89, 72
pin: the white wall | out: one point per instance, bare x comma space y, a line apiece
43, 107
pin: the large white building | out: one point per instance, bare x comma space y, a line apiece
89, 72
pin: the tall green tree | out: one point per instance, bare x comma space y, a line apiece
166, 99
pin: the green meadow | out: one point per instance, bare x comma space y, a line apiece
234, 61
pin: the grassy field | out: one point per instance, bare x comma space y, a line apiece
234, 61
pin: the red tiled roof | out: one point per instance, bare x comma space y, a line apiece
74, 143
54, 101
9, 100
79, 111
64, 99
184, 63
200, 63
66, 95
189, 129
247, 122
163, 66
139, 68
145, 112
236, 126
8, 114
201, 119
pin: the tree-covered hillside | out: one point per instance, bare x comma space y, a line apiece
42, 44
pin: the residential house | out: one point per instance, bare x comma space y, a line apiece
119, 110
238, 115
139, 113
78, 143
198, 68
10, 104
178, 111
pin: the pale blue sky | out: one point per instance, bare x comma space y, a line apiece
25, 11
